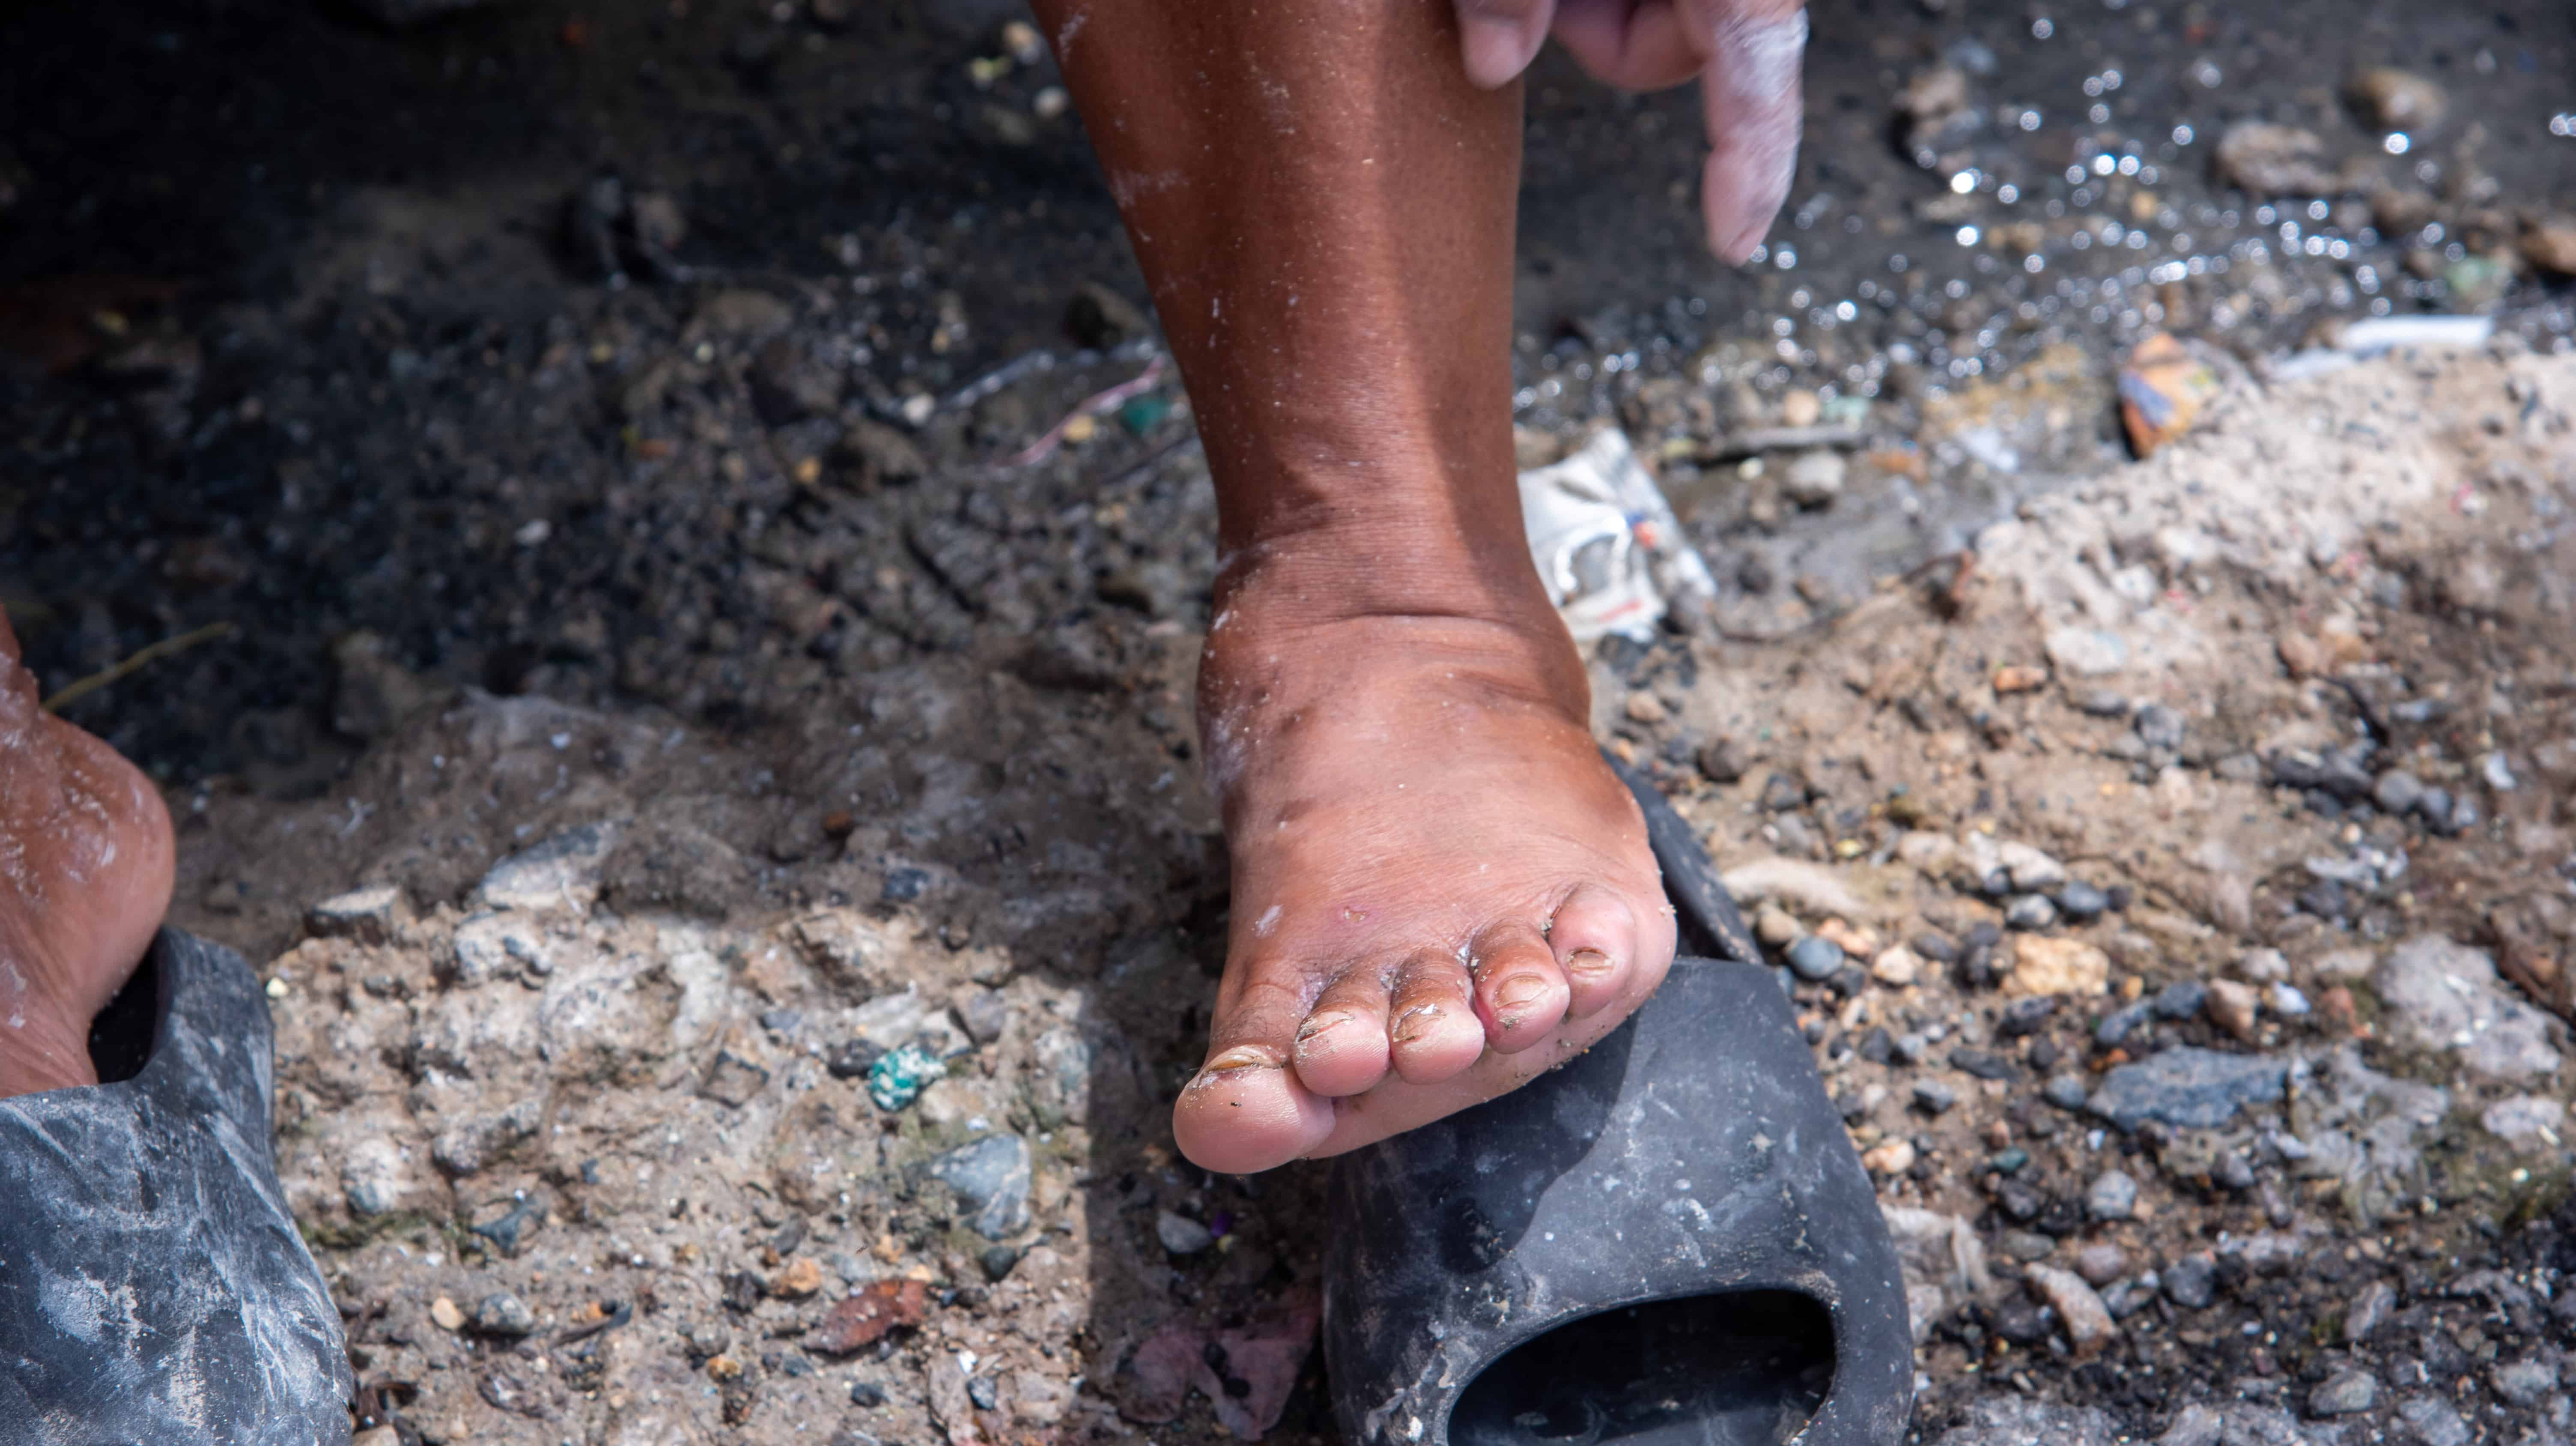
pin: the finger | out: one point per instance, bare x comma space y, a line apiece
1632, 44
1751, 96
1499, 38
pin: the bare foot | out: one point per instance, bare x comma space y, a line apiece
1440, 890
85, 869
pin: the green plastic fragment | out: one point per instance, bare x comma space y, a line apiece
900, 1075
1142, 414
2010, 1161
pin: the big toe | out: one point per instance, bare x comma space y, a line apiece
1245, 1110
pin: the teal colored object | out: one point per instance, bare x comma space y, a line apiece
2010, 1161
1142, 414
900, 1075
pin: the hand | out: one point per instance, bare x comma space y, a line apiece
1745, 52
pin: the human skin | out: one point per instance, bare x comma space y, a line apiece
1439, 888
86, 859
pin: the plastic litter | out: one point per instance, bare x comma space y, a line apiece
1613, 555
2368, 338
900, 1075
2163, 388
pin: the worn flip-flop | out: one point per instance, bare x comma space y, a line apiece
1667, 1240
152, 1284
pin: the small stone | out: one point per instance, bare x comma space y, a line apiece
2088, 1324
1782, 792
2525, 1383
2345, 1393
2032, 872
2432, 1421
802, 1277
991, 1178
985, 1013
850, 1059
1776, 926
986, 1395
1722, 760
2397, 792
1896, 966
2389, 99
2048, 965
1933, 1097
2020, 678
1645, 708
504, 1314
1815, 958
868, 1395
2105, 703
2192, 1282
733, 1080
2498, 773
2026, 1016
2082, 903
2181, 1000
1181, 1235
2549, 243
2530, 1123
2030, 911
2101, 1264
861, 1320
1800, 408
2263, 966
2120, 1023
1939, 948
367, 915
2113, 1195
2086, 652
2286, 1001
2161, 726
2188, 1088
444, 1311
2232, 1007
2369, 1309
998, 1261
1814, 479
1893, 1156
1984, 1064
2066, 1091
2266, 160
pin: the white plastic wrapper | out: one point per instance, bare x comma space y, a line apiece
1612, 553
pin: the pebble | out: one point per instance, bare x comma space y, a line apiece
2025, 1016
2101, 1264
800, 1278
867, 1394
2390, 99
1815, 478
504, 1314
2527, 1122
1890, 1157
2499, 773
2550, 244
2032, 872
2082, 903
2049, 965
985, 1013
1721, 760
2397, 792
2192, 1282
2287, 1002
1783, 791
2180, 1000
1776, 926
2066, 1091
2188, 1088
2105, 703
2232, 1006
2344, 1393
998, 1261
1181, 1235
2369, 1309
2030, 912
2161, 726
2524, 1383
1815, 958
2113, 1195
1800, 408
2433, 1422
2120, 1023
1896, 966
444, 1311
991, 1178
2445, 996
2088, 1323
1939, 948
2267, 160
1984, 1064
1934, 1097
1645, 708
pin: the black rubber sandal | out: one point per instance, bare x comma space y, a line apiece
153, 1288
1668, 1240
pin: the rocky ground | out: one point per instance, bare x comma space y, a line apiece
2173, 889
703, 751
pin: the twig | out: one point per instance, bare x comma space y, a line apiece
140, 658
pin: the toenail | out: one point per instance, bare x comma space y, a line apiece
1520, 993
1318, 1024
1587, 961
1241, 1057
1414, 1021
